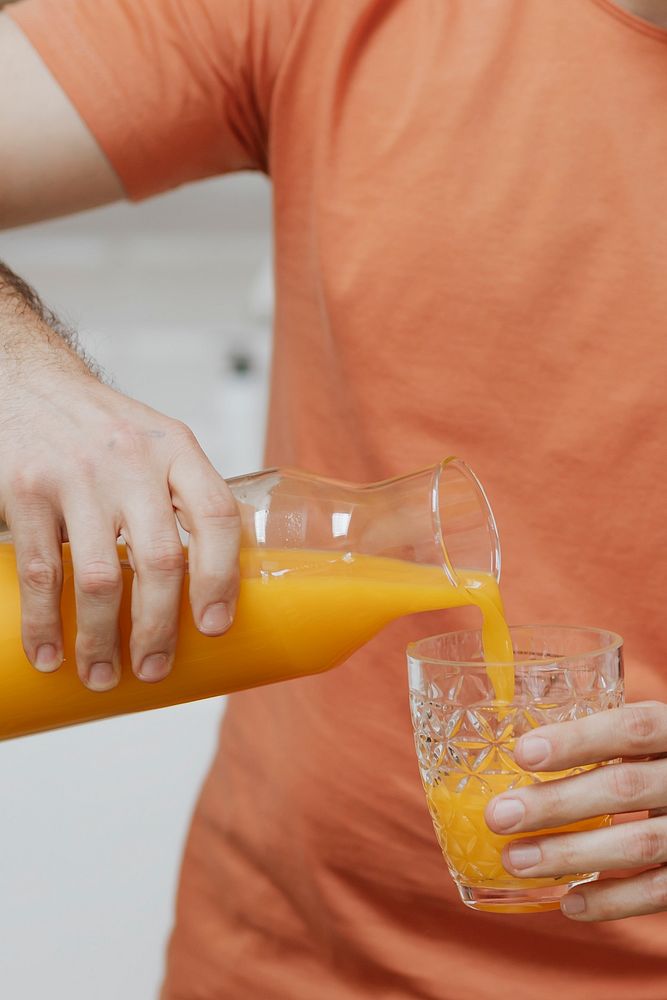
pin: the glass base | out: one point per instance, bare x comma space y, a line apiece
519, 900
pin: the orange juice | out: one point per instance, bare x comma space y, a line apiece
299, 612
472, 850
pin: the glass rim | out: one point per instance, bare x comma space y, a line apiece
462, 467
616, 642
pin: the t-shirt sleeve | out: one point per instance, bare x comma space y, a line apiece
172, 90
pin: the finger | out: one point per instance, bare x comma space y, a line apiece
36, 538
207, 510
617, 788
158, 561
629, 845
615, 898
637, 730
98, 588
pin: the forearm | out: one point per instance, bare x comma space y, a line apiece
32, 335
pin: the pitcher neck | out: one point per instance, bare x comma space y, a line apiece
437, 516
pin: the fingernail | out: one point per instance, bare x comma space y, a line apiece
507, 813
524, 855
533, 750
154, 667
573, 903
47, 658
101, 676
215, 619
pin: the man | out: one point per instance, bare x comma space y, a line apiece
470, 257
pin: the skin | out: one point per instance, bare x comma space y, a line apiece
79, 460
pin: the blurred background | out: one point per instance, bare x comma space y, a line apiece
174, 299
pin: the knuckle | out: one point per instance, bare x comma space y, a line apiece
99, 579
645, 847
166, 559
40, 628
551, 796
91, 646
626, 783
125, 441
656, 889
569, 862
155, 634
28, 482
225, 583
183, 434
182, 440
219, 505
87, 468
41, 575
638, 725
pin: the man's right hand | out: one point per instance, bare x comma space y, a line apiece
81, 462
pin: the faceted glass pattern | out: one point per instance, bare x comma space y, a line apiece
465, 743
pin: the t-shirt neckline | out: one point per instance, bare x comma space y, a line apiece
633, 20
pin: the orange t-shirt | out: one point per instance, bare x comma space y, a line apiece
471, 257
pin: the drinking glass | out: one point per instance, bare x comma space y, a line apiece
465, 739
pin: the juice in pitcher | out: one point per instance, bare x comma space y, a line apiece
324, 566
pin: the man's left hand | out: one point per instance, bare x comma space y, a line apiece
636, 733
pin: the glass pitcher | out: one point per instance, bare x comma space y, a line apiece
324, 566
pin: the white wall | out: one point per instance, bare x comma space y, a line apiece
171, 297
